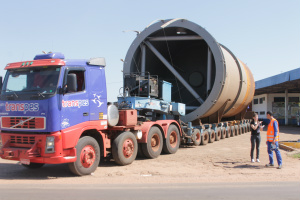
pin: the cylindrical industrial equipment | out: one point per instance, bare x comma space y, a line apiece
205, 75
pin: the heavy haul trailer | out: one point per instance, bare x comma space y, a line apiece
55, 110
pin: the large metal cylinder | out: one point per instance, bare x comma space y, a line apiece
205, 75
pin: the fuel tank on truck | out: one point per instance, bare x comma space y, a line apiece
206, 76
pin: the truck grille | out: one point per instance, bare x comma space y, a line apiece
23, 122
22, 140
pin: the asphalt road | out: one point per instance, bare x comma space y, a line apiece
236, 191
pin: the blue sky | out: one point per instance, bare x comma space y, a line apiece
265, 34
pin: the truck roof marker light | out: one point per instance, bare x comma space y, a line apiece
97, 62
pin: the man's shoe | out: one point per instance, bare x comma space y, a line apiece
252, 160
279, 167
257, 160
269, 165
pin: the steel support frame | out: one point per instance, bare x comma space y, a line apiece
176, 74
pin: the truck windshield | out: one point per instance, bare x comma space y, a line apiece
30, 83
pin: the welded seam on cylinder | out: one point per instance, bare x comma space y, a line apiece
241, 76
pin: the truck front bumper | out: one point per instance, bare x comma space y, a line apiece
31, 149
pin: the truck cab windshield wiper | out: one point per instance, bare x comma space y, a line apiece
12, 91
35, 90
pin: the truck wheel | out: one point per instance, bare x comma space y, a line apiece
172, 142
154, 145
218, 134
236, 130
88, 156
196, 137
124, 148
223, 133
34, 165
140, 153
212, 136
204, 138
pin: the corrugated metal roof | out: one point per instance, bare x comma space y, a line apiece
278, 79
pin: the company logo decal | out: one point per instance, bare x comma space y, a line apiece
75, 103
23, 107
65, 123
96, 100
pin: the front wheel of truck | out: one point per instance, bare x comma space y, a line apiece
88, 156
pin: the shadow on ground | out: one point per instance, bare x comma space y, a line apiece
11, 171
239, 165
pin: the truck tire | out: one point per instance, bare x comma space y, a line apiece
196, 137
232, 131
172, 142
204, 138
236, 130
124, 148
218, 134
223, 133
154, 145
34, 165
88, 156
212, 136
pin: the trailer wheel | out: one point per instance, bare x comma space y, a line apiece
88, 156
242, 129
34, 165
223, 133
236, 130
172, 142
124, 148
154, 145
196, 137
228, 132
218, 134
212, 136
248, 126
204, 138
232, 131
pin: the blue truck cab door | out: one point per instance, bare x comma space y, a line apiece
97, 95
75, 98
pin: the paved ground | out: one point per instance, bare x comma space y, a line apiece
208, 191
204, 168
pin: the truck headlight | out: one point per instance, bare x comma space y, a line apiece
50, 144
